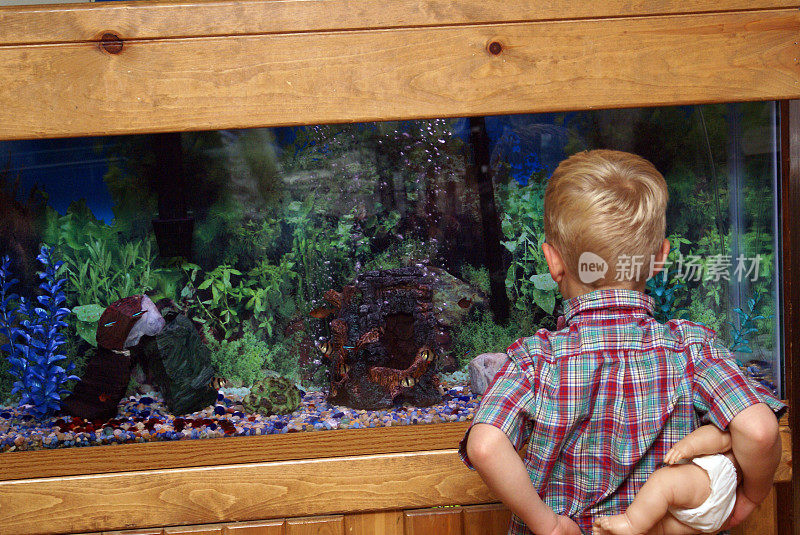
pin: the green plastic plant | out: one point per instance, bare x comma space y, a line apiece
478, 277
242, 359
269, 293
218, 298
102, 266
528, 280
481, 334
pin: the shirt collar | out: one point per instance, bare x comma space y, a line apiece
609, 298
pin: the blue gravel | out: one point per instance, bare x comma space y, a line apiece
145, 419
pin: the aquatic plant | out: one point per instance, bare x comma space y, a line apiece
243, 359
666, 287
477, 276
223, 301
87, 317
747, 318
269, 294
34, 337
103, 265
528, 280
481, 334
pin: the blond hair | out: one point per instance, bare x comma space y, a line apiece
609, 203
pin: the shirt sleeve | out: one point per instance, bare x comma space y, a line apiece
721, 391
505, 405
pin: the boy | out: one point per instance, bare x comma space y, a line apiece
699, 495
601, 400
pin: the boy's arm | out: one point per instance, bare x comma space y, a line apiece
748, 411
501, 468
705, 440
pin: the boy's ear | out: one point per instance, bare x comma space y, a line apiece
661, 256
554, 261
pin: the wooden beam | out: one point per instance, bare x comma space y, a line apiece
309, 78
238, 492
226, 451
174, 19
790, 275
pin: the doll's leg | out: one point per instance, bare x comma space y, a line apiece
684, 486
669, 525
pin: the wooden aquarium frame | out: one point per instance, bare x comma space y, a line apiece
166, 66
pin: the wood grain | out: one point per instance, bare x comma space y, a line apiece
150, 531
439, 521
381, 523
784, 471
790, 273
194, 530
316, 525
249, 81
226, 451
783, 507
264, 527
492, 519
171, 19
190, 496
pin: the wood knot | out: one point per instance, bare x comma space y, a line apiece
111, 43
495, 48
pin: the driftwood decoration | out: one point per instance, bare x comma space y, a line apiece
108, 371
383, 342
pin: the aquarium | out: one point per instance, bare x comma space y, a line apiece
315, 278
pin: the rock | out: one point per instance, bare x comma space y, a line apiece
179, 364
150, 323
482, 370
272, 395
108, 369
453, 298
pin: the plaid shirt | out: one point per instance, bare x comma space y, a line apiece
602, 400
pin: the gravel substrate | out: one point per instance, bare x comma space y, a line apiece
146, 419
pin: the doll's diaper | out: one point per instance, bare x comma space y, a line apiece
712, 513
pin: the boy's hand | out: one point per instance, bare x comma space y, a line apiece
678, 452
565, 526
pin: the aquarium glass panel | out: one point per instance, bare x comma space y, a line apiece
314, 278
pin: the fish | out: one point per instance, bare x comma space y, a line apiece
326, 348
217, 382
103, 398
321, 312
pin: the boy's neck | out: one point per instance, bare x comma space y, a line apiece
570, 287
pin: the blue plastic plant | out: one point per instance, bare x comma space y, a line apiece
663, 290
747, 325
34, 336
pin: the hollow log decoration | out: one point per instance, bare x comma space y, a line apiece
108, 371
339, 365
382, 346
395, 380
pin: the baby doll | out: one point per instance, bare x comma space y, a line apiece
699, 494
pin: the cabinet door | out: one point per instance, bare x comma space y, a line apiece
316, 525
439, 521
486, 519
384, 523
